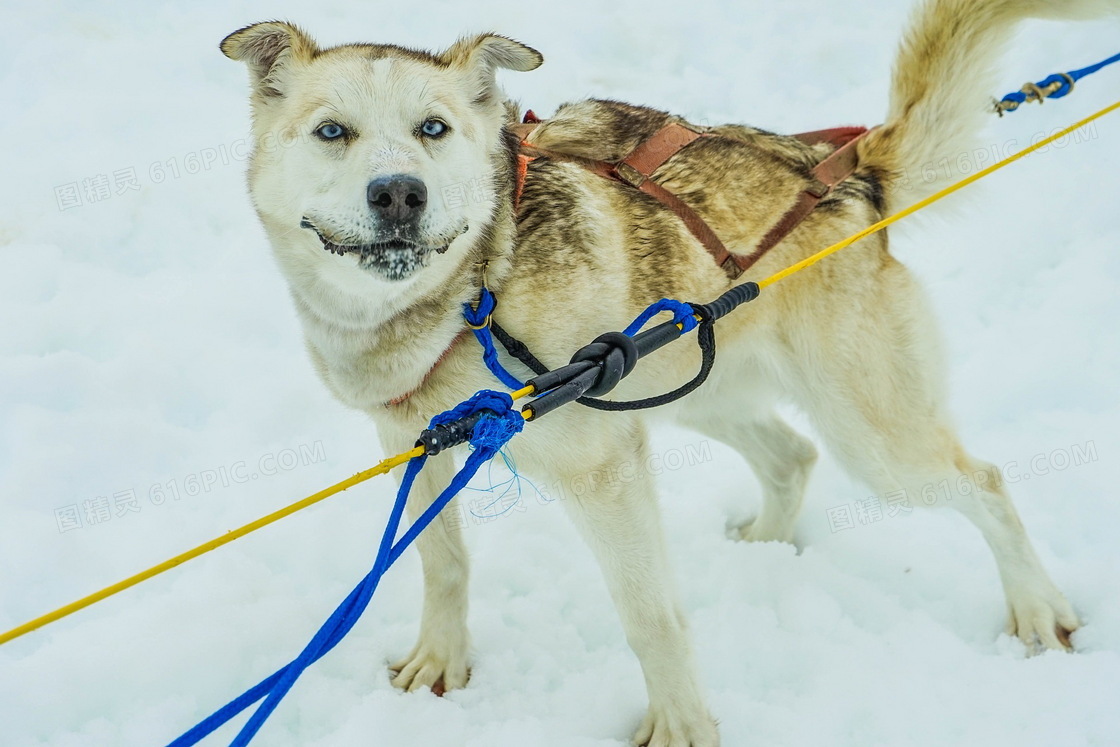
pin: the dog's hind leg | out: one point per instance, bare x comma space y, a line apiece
932, 469
868, 370
780, 457
1035, 606
439, 658
621, 523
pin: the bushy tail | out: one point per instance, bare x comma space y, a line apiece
942, 84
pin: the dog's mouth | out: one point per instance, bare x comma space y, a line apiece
394, 259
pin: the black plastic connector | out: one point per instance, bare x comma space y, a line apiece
597, 368
615, 355
611, 357
656, 338
444, 436
564, 374
563, 394
732, 299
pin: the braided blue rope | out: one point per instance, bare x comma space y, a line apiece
682, 315
499, 423
478, 318
1015, 98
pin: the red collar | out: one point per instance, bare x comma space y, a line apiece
442, 357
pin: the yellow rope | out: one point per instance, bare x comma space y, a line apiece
876, 227
388, 464
381, 468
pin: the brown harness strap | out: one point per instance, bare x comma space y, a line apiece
637, 168
826, 174
836, 136
657, 149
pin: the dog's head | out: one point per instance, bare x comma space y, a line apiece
375, 156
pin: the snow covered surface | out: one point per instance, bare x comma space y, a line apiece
149, 345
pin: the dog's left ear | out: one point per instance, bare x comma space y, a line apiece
484, 54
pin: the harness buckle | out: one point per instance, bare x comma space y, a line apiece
629, 174
818, 188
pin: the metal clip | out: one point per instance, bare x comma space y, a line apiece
1069, 80
1033, 92
485, 323
1000, 106
483, 265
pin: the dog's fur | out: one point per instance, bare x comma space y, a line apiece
851, 340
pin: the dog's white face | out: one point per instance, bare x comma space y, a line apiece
381, 160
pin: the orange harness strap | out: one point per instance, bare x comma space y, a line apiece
523, 162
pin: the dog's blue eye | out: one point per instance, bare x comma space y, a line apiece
433, 128
330, 131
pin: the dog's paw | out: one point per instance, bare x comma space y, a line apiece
1042, 620
754, 531
440, 668
670, 727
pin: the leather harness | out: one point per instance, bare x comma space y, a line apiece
637, 169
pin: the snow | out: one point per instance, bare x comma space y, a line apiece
149, 346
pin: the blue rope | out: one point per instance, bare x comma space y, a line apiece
478, 318
1019, 97
682, 315
499, 423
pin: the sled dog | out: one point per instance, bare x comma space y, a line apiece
386, 179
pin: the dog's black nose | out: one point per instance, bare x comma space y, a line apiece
397, 198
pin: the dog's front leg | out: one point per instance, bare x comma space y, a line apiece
439, 658
619, 519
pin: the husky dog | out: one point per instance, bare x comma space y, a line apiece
385, 178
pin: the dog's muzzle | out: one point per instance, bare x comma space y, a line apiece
395, 259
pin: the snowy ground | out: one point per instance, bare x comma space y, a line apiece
150, 360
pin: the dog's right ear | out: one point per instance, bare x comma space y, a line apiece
268, 48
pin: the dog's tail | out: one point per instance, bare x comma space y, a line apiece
942, 85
